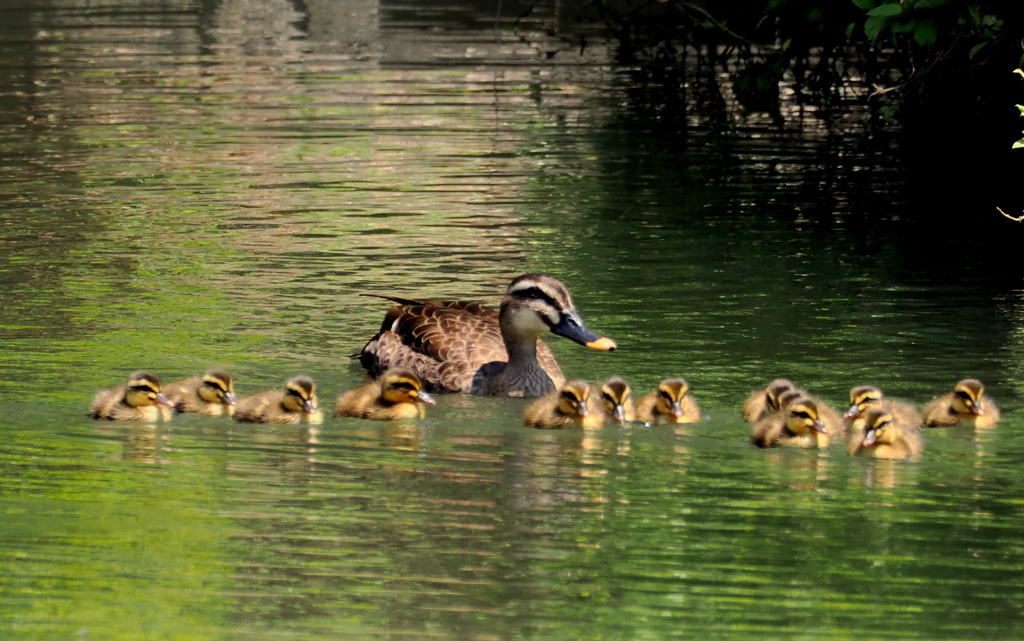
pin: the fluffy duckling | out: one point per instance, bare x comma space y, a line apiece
396, 395
212, 393
869, 397
569, 406
296, 403
617, 400
672, 403
798, 425
765, 401
967, 404
140, 399
885, 437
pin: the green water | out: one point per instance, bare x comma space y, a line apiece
177, 197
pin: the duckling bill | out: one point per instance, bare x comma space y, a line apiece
397, 395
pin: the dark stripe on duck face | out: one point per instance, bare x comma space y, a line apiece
404, 385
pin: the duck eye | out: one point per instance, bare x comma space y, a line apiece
964, 395
608, 397
804, 415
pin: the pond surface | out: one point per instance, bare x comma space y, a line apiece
188, 186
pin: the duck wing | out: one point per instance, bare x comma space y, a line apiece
443, 342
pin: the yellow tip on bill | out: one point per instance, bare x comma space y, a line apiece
602, 343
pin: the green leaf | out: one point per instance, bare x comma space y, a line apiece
929, 4
1018, 144
887, 10
849, 30
866, 5
873, 26
926, 32
976, 48
1020, 108
902, 26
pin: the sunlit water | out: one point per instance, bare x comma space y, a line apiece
187, 188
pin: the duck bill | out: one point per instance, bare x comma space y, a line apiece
853, 412
163, 400
229, 398
620, 413
583, 410
677, 409
819, 427
869, 439
309, 406
571, 326
977, 409
426, 399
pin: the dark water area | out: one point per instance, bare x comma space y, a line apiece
191, 185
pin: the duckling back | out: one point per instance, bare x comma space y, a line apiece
296, 403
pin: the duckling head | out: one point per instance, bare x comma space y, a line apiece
967, 397
143, 390
403, 386
217, 387
574, 399
300, 395
862, 399
536, 303
802, 418
669, 399
879, 424
774, 390
616, 397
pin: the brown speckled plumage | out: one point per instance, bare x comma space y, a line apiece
456, 346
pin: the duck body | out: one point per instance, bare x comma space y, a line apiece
456, 346
569, 406
670, 403
397, 395
797, 425
885, 438
211, 394
140, 399
967, 404
296, 403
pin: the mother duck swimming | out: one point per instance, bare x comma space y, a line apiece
456, 346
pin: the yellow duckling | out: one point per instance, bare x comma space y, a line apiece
617, 400
798, 425
212, 393
885, 438
967, 404
765, 401
868, 397
569, 406
296, 403
140, 399
672, 403
396, 395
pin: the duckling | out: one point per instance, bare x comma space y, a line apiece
398, 394
967, 404
617, 400
140, 399
798, 425
569, 406
296, 403
885, 437
869, 397
465, 347
765, 401
672, 403
212, 394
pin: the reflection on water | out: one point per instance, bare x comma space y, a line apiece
214, 185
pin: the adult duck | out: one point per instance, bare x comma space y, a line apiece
456, 346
